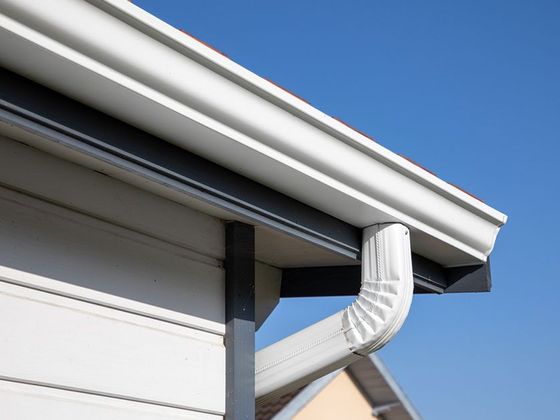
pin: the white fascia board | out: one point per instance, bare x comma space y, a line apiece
123, 61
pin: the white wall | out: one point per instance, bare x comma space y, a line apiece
111, 300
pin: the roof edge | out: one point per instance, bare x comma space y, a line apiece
331, 170
222, 64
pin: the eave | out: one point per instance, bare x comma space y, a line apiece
189, 95
327, 249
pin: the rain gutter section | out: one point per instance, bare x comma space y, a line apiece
115, 57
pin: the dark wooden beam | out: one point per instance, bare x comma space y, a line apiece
240, 321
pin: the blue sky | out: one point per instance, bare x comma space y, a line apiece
470, 90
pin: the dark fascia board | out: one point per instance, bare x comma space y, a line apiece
469, 278
429, 277
68, 122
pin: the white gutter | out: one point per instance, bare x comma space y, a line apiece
368, 324
117, 58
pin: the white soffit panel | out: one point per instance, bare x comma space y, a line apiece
115, 57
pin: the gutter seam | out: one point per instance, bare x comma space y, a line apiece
299, 351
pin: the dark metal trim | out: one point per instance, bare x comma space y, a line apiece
429, 277
470, 278
58, 118
321, 281
240, 321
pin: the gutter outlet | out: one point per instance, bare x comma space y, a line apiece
365, 326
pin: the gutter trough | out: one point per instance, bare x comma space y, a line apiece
172, 86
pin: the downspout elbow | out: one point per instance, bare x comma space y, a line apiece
365, 326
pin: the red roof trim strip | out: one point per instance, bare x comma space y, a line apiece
417, 164
450, 183
204, 43
466, 192
286, 90
355, 129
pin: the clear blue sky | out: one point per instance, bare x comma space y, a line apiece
471, 90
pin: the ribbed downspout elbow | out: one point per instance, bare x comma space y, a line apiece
365, 326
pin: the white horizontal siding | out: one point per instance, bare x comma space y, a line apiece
30, 402
56, 340
59, 250
111, 299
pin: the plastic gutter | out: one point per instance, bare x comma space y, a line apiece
123, 61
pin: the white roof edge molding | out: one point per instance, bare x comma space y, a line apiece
365, 326
123, 61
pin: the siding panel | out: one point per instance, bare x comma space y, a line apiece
29, 402
99, 320
65, 342
94, 260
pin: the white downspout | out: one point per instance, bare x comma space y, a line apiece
362, 328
